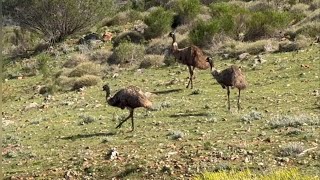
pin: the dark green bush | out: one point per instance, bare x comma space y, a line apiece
265, 23
188, 9
203, 32
231, 18
159, 22
43, 65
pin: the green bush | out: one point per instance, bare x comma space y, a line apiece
203, 32
265, 23
43, 65
128, 52
86, 68
230, 18
188, 9
159, 22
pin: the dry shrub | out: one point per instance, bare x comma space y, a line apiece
89, 68
131, 36
100, 56
125, 17
127, 52
158, 45
288, 46
74, 60
151, 61
85, 81
65, 82
299, 8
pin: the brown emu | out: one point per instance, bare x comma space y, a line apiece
191, 56
130, 97
230, 77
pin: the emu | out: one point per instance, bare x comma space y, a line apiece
130, 97
230, 77
191, 56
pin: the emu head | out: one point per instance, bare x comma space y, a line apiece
172, 34
210, 61
106, 88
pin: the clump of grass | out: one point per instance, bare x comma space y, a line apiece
85, 81
128, 52
176, 135
291, 149
252, 116
74, 60
87, 119
284, 174
293, 121
151, 61
86, 68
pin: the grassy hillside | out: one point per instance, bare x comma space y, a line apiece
190, 132
69, 131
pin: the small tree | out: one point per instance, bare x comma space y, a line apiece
57, 19
159, 22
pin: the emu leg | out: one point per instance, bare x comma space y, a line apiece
239, 101
130, 115
132, 124
190, 77
228, 93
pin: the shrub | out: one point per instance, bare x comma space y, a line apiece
293, 121
159, 22
151, 61
291, 149
128, 52
86, 80
232, 19
86, 68
43, 65
187, 9
125, 17
100, 56
311, 29
131, 36
158, 46
203, 32
265, 23
74, 60
54, 13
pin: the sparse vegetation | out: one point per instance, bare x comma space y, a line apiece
293, 121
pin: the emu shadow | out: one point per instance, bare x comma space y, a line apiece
188, 114
167, 91
80, 136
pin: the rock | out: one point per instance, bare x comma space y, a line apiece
112, 154
243, 56
31, 106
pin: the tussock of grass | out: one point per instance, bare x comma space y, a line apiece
286, 174
291, 149
293, 121
86, 68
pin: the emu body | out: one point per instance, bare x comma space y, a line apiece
130, 97
191, 56
231, 77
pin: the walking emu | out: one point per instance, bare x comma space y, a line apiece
230, 77
191, 56
131, 97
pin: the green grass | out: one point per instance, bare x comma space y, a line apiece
236, 175
53, 142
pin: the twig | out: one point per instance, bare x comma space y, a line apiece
305, 151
